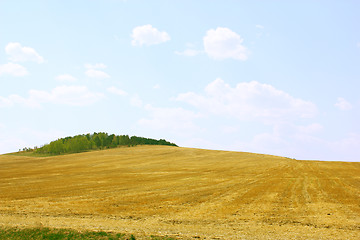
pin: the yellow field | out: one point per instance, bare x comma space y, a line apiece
184, 193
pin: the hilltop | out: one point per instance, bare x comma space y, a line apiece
182, 192
95, 141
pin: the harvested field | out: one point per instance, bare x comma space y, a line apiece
184, 193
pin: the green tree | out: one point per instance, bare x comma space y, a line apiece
97, 141
85, 142
114, 142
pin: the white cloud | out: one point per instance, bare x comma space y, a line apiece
66, 78
249, 101
5, 102
136, 101
342, 104
13, 69
18, 53
223, 43
358, 44
63, 95
259, 26
12, 100
67, 95
117, 91
94, 73
176, 120
148, 35
188, 53
156, 86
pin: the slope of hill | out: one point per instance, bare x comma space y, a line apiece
183, 192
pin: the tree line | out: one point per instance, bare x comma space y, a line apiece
101, 140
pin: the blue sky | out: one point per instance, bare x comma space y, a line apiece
274, 77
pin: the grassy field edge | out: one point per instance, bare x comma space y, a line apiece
58, 234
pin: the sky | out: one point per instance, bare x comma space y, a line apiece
273, 77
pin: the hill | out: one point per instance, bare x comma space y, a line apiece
182, 192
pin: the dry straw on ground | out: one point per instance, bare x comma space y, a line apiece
184, 193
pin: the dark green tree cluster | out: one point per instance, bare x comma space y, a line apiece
86, 142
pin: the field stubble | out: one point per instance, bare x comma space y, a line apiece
184, 193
